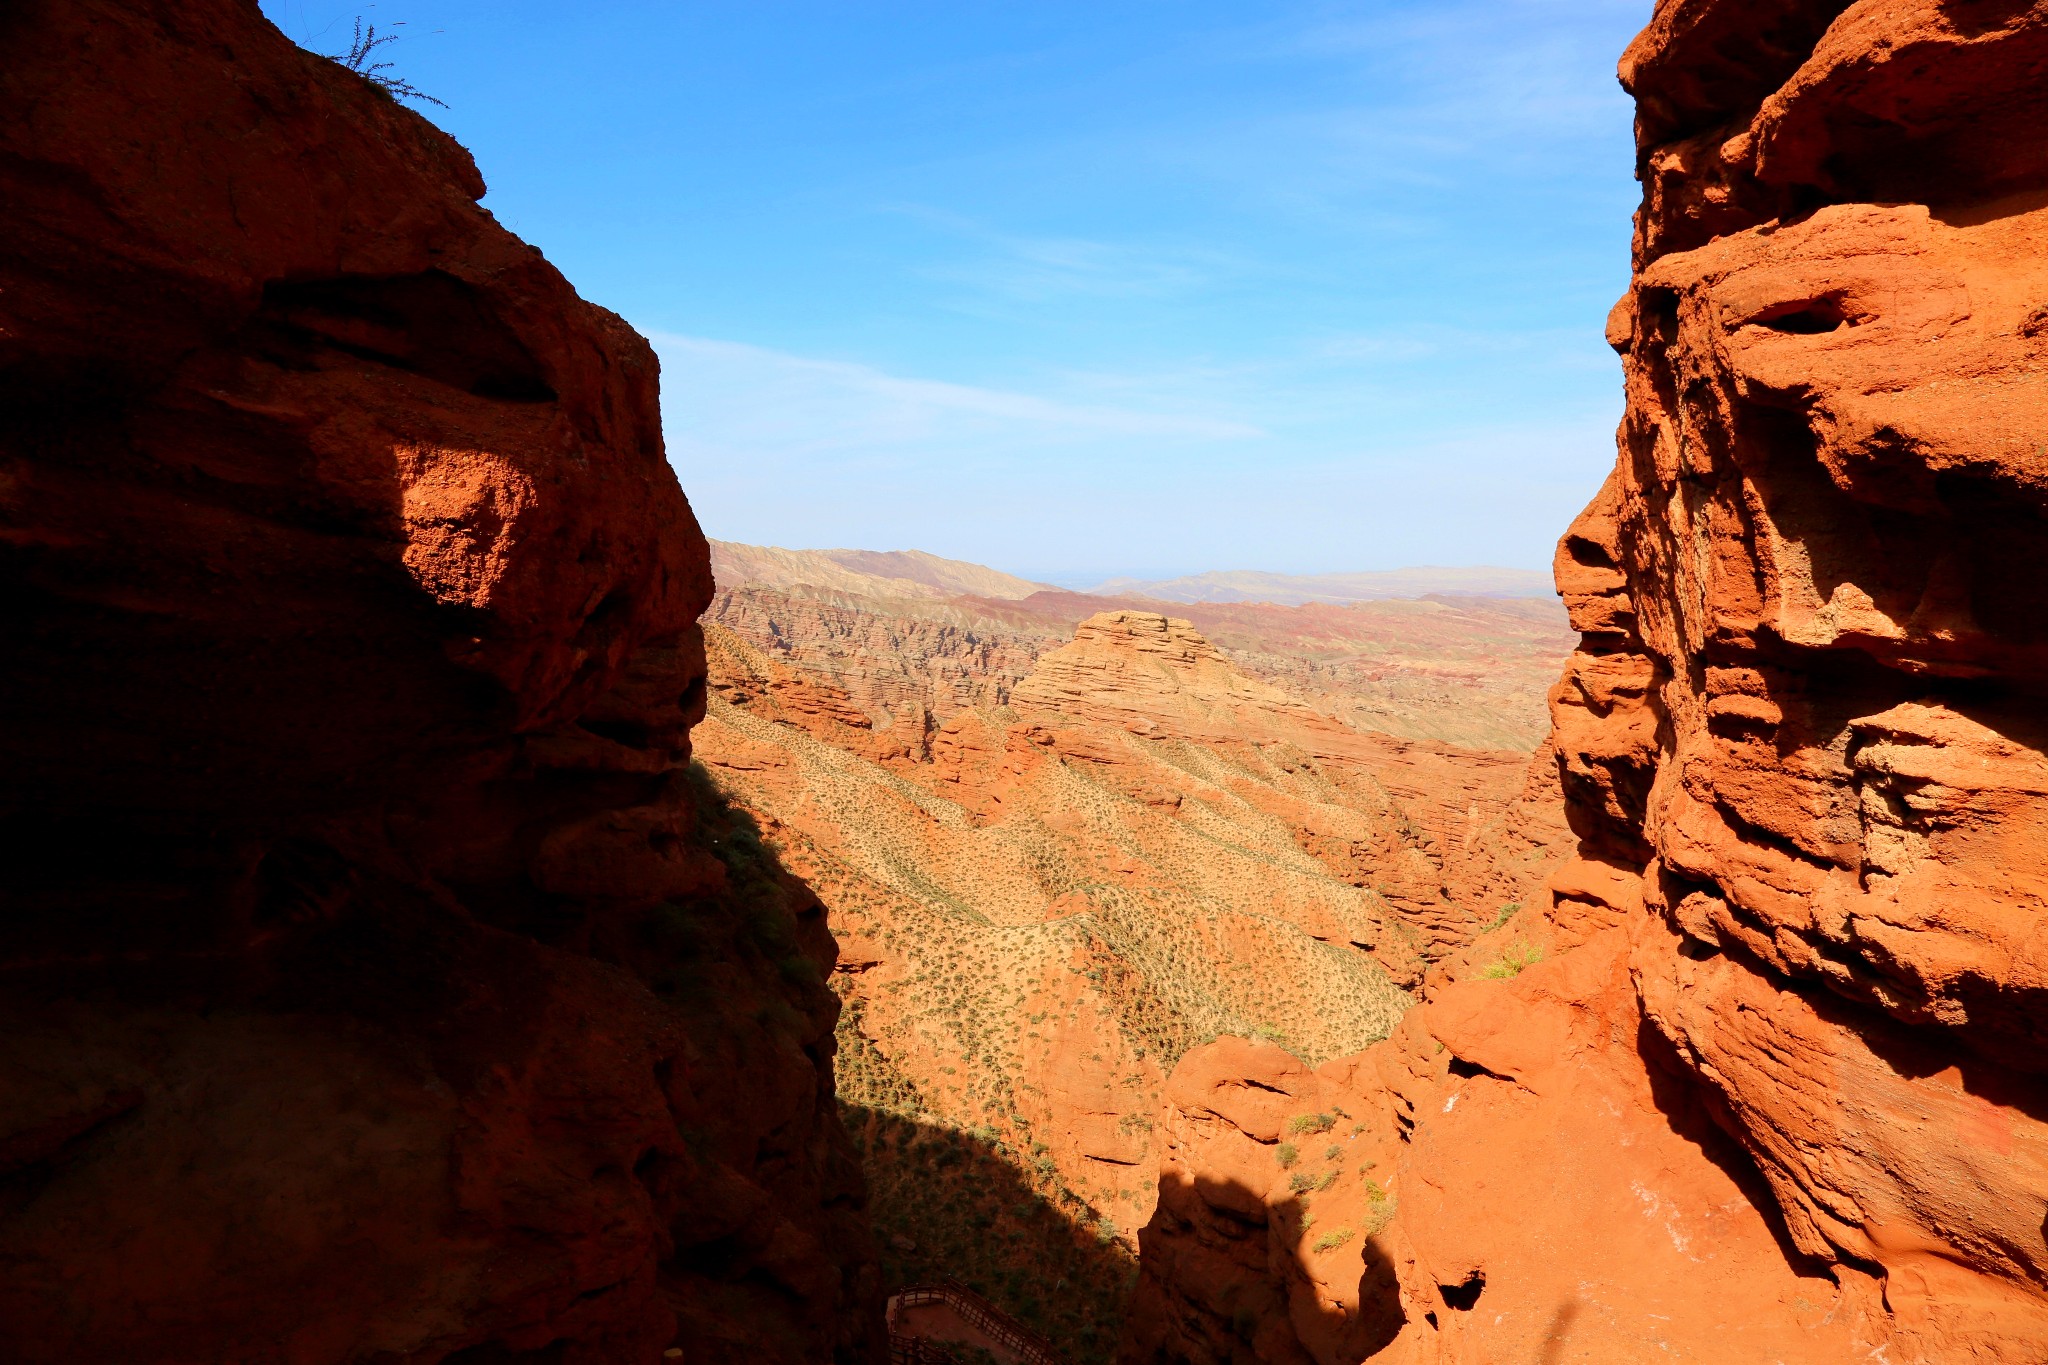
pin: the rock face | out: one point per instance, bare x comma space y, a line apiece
1140, 671
908, 665
1777, 1093
374, 984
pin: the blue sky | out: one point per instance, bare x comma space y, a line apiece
1079, 289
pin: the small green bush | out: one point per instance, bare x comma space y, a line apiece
1517, 959
1334, 1238
1311, 1123
1285, 1154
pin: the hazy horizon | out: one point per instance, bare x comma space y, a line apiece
1081, 291
1129, 583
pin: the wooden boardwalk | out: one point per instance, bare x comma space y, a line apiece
918, 1322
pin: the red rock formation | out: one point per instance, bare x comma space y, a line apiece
910, 665
1501, 1180
1465, 671
1451, 833
1777, 1093
373, 983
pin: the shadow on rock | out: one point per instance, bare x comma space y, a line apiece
1213, 1293
953, 1205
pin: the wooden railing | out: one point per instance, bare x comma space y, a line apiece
998, 1326
917, 1351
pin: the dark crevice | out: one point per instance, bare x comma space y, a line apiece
1812, 317
632, 734
32, 1157
1469, 1070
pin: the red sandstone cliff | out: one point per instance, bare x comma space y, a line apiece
1775, 1093
374, 985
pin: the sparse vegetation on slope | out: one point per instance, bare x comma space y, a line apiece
1042, 910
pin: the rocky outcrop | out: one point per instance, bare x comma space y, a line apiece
1812, 728
1503, 1179
1449, 830
374, 982
1468, 671
1790, 998
1143, 672
908, 665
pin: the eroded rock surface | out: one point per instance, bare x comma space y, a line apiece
1468, 671
374, 984
1776, 1093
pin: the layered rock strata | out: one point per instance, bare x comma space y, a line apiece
1468, 671
1776, 1093
909, 665
375, 985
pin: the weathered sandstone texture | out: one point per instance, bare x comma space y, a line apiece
1777, 1093
374, 984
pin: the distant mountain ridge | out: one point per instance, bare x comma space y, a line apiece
872, 573
916, 574
1294, 590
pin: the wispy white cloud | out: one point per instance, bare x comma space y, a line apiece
1552, 347
1021, 267
1371, 337
1436, 97
728, 394
1037, 270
